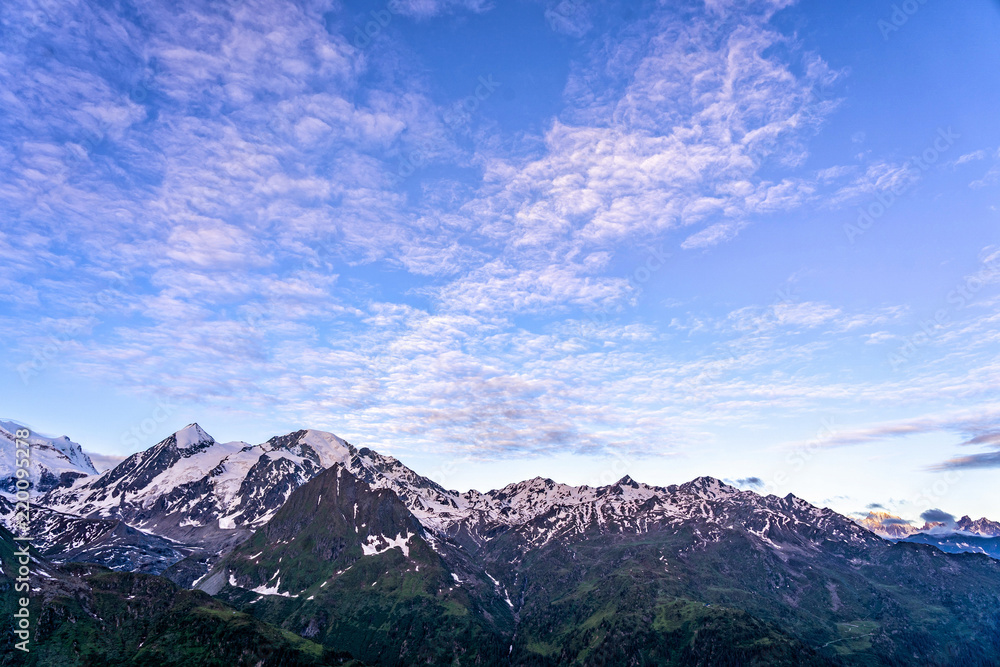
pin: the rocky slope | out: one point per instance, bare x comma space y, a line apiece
87, 615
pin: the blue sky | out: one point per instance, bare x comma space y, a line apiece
748, 239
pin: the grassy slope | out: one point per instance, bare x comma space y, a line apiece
911, 605
614, 606
387, 609
88, 615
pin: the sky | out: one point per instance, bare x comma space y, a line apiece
751, 239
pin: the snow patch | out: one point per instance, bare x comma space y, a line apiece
372, 546
272, 590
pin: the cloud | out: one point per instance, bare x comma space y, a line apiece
623, 162
937, 516
427, 8
752, 482
570, 17
973, 462
989, 178
875, 506
713, 235
895, 521
879, 337
879, 177
963, 421
104, 462
977, 426
991, 438
971, 157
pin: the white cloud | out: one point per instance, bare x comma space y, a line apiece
717, 233
280, 265
971, 157
428, 8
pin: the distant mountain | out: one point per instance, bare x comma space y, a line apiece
888, 526
957, 543
981, 527
55, 462
964, 536
893, 527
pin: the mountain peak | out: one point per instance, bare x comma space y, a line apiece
192, 435
709, 486
887, 525
983, 527
325, 449
627, 481
56, 461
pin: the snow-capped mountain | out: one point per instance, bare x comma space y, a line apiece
191, 488
201, 493
336, 510
540, 510
894, 528
109, 542
955, 543
889, 526
55, 462
963, 536
982, 527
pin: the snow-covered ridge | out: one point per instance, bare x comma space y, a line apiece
982, 527
54, 461
541, 510
191, 486
189, 483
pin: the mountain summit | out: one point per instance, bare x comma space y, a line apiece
55, 462
192, 436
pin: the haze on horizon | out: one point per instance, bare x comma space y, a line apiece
748, 239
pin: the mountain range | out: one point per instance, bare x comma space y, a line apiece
960, 536
318, 552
